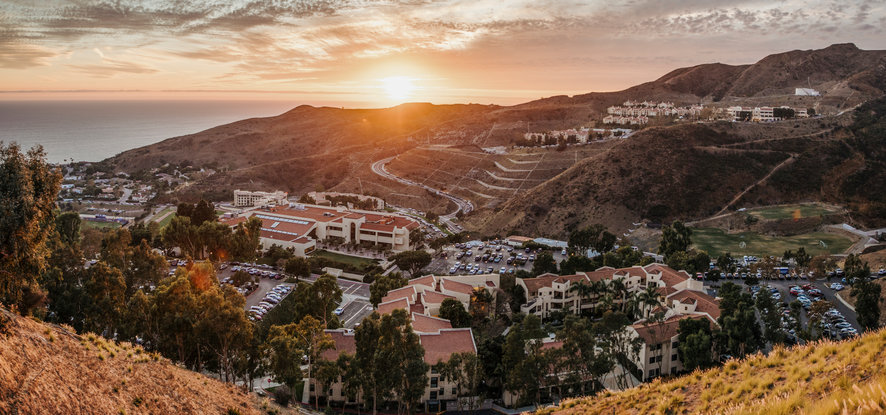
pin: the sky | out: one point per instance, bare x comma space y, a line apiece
380, 53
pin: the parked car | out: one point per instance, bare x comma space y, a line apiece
338, 311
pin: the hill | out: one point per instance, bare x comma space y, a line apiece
46, 369
698, 170
659, 173
820, 378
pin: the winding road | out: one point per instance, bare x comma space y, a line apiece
462, 205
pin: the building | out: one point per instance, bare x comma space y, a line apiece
244, 198
658, 354
300, 226
420, 298
549, 292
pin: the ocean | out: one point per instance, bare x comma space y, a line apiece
95, 130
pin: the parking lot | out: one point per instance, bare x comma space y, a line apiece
783, 288
480, 258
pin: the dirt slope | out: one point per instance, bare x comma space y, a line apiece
50, 370
820, 378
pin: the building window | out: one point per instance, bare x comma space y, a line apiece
433, 382
433, 395
673, 358
652, 359
674, 345
433, 370
454, 391
657, 359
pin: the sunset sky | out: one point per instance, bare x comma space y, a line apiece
384, 52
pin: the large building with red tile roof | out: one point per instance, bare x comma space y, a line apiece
300, 225
437, 337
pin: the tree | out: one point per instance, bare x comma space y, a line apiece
203, 212
466, 371
726, 263
695, 343
299, 267
649, 299
454, 311
28, 189
771, 315
525, 360
325, 294
144, 267
105, 293
382, 284
674, 238
544, 263
582, 357
411, 261
740, 331
174, 311
594, 236
245, 240
867, 303
480, 304
67, 225
222, 326
180, 233
285, 355
214, 240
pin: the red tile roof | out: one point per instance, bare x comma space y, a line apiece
668, 275
434, 297
456, 286
703, 303
425, 324
344, 343
440, 346
661, 332
402, 292
388, 307
427, 280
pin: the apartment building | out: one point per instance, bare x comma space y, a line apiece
245, 198
659, 352
436, 335
548, 292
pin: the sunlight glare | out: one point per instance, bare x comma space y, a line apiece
398, 88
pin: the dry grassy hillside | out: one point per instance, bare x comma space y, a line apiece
50, 370
820, 378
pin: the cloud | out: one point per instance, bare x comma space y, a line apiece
112, 67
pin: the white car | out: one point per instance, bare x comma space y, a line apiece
339, 310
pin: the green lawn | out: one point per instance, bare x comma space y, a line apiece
717, 241
347, 259
167, 219
88, 224
788, 211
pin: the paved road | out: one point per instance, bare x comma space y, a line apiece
462, 205
126, 193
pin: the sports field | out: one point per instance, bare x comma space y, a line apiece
716, 241
790, 211
89, 224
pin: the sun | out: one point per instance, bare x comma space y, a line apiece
398, 88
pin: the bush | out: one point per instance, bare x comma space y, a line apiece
282, 395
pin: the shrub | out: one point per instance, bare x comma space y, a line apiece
282, 395
233, 411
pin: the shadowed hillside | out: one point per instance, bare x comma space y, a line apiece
48, 369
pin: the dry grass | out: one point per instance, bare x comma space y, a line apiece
820, 378
51, 370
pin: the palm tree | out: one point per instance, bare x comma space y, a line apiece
619, 289
584, 291
649, 298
